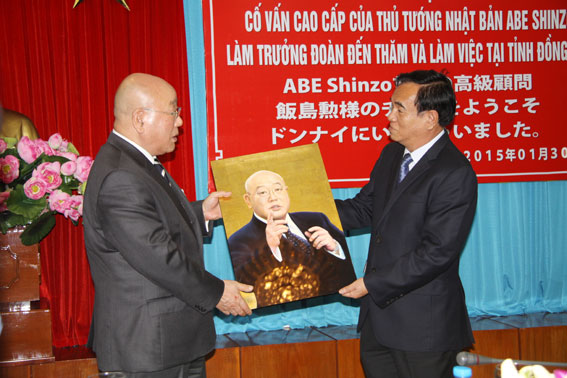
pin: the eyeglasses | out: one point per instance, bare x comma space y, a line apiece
265, 192
175, 114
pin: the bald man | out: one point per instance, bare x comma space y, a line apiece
154, 300
286, 256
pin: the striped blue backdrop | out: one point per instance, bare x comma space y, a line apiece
515, 260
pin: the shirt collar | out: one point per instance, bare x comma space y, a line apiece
287, 218
148, 156
289, 222
417, 154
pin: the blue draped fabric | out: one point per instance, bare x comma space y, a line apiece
515, 260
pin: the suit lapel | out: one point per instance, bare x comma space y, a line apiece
392, 180
421, 168
184, 202
298, 223
147, 167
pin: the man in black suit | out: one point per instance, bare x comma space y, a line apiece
287, 256
154, 300
420, 204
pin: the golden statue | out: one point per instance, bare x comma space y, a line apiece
16, 125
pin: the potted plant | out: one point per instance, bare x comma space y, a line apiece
39, 180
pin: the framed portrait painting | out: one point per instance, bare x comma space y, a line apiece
283, 230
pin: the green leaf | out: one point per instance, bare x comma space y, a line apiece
82, 187
11, 151
72, 148
38, 229
19, 203
9, 220
11, 142
26, 169
70, 182
66, 188
54, 158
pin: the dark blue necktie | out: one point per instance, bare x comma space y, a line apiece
404, 168
161, 170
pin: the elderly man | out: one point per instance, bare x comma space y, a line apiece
420, 204
154, 300
287, 256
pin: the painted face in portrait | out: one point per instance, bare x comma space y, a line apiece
266, 193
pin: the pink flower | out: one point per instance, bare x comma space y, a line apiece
35, 188
44, 147
28, 150
72, 214
84, 164
50, 173
55, 141
75, 208
64, 146
4, 200
10, 168
75, 202
3, 146
68, 168
68, 155
58, 201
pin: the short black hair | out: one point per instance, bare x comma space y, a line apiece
436, 93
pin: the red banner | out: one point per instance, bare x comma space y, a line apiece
288, 73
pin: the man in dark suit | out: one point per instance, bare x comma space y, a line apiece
287, 256
413, 318
154, 300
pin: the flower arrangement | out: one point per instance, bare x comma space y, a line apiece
39, 180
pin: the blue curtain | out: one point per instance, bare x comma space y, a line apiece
515, 260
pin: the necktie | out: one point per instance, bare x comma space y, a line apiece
161, 170
404, 168
298, 243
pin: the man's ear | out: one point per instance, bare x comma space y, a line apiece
432, 118
246, 197
138, 117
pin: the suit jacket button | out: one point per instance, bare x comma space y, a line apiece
373, 269
378, 240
